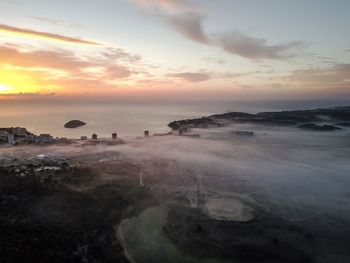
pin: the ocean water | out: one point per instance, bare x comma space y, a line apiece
128, 118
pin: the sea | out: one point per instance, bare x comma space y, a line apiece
130, 118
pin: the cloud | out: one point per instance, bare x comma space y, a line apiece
32, 34
332, 80
27, 94
10, 2
81, 83
326, 58
277, 85
117, 72
55, 22
337, 75
230, 75
188, 22
246, 86
190, 26
58, 59
118, 54
183, 16
254, 48
236, 43
63, 60
170, 5
29, 70
215, 60
191, 76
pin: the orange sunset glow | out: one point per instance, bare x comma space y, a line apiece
181, 57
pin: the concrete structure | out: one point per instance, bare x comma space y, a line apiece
17, 134
20, 135
94, 136
146, 133
11, 139
7, 137
114, 136
4, 136
31, 138
44, 138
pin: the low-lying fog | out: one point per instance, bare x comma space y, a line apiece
293, 173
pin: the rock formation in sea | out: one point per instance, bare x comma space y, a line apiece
74, 124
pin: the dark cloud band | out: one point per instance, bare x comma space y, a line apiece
45, 35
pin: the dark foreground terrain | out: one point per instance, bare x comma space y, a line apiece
266, 238
49, 221
67, 204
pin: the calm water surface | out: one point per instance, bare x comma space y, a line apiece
127, 118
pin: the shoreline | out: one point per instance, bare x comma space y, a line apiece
323, 120
120, 236
93, 188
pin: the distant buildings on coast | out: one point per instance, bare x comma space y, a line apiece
94, 139
20, 135
13, 135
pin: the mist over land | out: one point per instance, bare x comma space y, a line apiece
289, 183
131, 117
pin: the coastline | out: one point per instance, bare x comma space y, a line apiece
322, 119
103, 179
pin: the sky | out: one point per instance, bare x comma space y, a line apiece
224, 49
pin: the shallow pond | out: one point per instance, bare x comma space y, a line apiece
145, 241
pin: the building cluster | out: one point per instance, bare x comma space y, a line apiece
19, 135
46, 168
93, 140
16, 135
94, 137
12, 135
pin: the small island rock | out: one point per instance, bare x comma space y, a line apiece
74, 124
